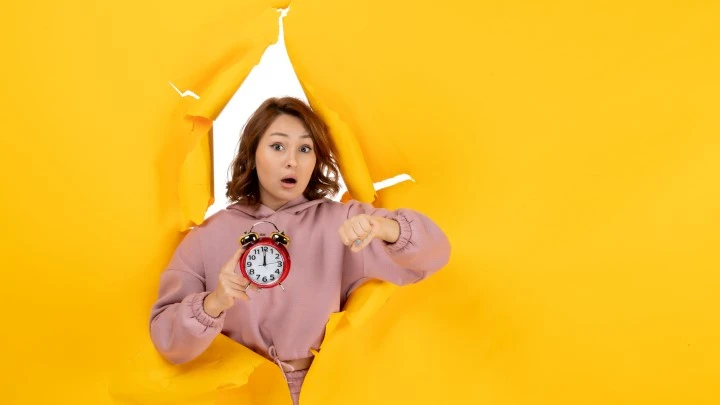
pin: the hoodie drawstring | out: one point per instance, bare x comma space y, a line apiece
273, 353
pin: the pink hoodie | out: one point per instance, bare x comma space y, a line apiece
285, 325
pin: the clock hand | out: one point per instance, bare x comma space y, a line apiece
264, 258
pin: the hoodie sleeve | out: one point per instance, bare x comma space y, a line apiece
421, 250
179, 327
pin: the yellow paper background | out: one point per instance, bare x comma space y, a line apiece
97, 145
571, 151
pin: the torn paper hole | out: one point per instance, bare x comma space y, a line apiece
185, 93
392, 181
273, 76
377, 185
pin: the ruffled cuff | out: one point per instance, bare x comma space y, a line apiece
198, 312
405, 233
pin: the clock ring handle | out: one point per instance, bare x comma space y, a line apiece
264, 222
277, 236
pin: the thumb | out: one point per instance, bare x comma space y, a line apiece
374, 232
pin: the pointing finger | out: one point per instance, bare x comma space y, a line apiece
365, 241
344, 236
359, 231
229, 267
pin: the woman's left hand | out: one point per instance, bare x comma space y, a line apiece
358, 231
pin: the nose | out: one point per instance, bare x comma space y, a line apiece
291, 160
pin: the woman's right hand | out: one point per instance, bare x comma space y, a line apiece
231, 286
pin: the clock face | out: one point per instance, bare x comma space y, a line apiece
264, 264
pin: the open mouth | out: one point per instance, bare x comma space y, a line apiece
289, 180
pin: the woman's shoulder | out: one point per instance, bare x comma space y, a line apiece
217, 217
221, 221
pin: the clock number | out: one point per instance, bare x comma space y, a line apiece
262, 276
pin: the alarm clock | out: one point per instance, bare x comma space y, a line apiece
265, 261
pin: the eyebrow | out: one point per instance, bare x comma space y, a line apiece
287, 136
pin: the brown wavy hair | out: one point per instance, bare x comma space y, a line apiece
244, 185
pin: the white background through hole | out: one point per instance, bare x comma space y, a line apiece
272, 77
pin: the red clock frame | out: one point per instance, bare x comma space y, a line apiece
266, 241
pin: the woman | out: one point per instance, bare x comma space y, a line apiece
283, 172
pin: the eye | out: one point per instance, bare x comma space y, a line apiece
276, 146
305, 149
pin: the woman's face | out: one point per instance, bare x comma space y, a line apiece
284, 159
